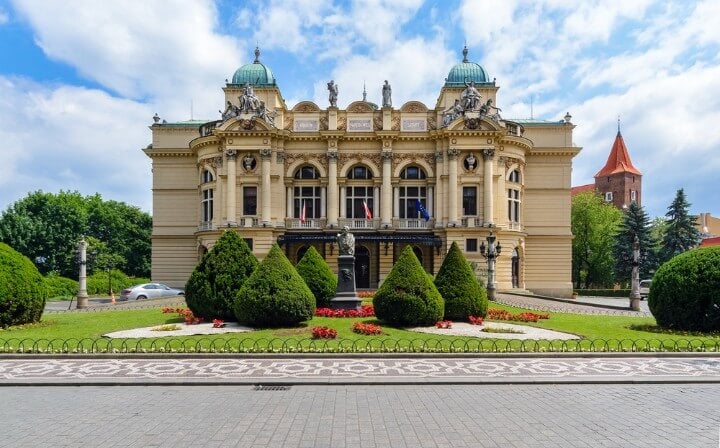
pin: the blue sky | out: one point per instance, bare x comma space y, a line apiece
80, 81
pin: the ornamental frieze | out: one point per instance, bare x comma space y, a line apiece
395, 121
431, 123
341, 123
306, 107
291, 158
359, 107
288, 124
378, 122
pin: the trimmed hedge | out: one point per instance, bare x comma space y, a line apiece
408, 295
321, 280
459, 288
210, 291
58, 286
685, 293
275, 295
22, 289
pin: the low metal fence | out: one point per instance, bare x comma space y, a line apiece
366, 345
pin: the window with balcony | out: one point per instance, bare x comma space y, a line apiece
307, 198
249, 201
207, 205
469, 201
408, 201
513, 206
355, 200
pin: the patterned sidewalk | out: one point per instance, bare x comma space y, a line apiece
325, 370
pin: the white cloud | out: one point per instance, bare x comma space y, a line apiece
72, 138
4, 17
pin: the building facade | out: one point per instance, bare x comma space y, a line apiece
396, 176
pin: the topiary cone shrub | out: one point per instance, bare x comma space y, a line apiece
685, 291
459, 288
211, 289
321, 280
22, 289
275, 295
408, 295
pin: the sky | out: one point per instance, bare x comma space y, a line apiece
81, 80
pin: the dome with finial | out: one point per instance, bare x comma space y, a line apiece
256, 74
466, 71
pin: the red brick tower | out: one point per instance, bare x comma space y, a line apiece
619, 181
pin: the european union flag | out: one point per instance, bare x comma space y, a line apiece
422, 210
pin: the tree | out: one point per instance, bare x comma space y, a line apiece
680, 232
635, 222
318, 276
594, 225
459, 288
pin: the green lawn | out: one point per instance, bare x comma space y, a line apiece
57, 327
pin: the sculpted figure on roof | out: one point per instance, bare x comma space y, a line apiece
470, 97
333, 93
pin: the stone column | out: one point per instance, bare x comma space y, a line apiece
396, 202
430, 206
488, 206
230, 204
376, 199
343, 206
452, 186
635, 280
323, 195
289, 203
82, 297
265, 154
386, 211
332, 196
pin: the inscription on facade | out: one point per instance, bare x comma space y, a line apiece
360, 125
306, 125
414, 125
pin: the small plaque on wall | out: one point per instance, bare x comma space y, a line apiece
414, 125
306, 125
360, 125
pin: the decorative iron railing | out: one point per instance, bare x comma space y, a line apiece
201, 344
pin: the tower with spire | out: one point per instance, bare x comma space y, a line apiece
619, 181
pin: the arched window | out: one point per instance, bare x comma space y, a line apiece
307, 172
359, 193
307, 193
514, 176
360, 172
411, 191
207, 176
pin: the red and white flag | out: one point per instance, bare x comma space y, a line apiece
302, 213
368, 213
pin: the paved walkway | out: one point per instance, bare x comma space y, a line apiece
581, 305
17, 370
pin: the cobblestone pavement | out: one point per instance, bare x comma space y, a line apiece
104, 304
563, 306
363, 416
381, 370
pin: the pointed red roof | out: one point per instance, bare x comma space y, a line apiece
619, 160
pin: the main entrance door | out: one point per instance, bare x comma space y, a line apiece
362, 267
515, 260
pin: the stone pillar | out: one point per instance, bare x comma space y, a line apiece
488, 206
430, 203
265, 154
452, 186
230, 204
387, 118
635, 280
441, 209
323, 195
396, 202
343, 205
82, 297
332, 197
386, 211
289, 204
376, 199
332, 118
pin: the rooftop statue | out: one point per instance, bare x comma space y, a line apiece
248, 101
386, 95
452, 112
470, 97
333, 93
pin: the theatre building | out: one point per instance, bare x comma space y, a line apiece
395, 174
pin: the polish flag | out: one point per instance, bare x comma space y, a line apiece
368, 213
302, 213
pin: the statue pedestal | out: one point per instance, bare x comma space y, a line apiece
346, 296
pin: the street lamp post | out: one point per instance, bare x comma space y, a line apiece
82, 297
491, 252
635, 280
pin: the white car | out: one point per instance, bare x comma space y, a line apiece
149, 291
645, 288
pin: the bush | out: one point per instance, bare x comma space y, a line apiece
22, 289
685, 292
459, 288
211, 289
318, 276
275, 295
408, 295
58, 286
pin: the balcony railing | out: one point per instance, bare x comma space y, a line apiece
413, 224
471, 221
310, 223
206, 225
248, 222
359, 223
515, 226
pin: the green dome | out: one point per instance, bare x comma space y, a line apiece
256, 74
466, 71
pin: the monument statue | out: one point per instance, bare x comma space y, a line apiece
452, 112
346, 241
386, 95
333, 93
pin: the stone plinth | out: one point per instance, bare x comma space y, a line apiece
346, 296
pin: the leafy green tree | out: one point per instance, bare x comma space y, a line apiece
275, 295
210, 291
459, 288
318, 276
635, 222
408, 295
22, 289
594, 225
680, 232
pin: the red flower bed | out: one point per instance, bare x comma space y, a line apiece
366, 329
443, 324
364, 311
218, 323
324, 333
475, 320
185, 314
498, 314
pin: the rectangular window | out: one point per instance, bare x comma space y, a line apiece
249, 201
471, 245
249, 242
608, 196
207, 205
513, 205
632, 195
470, 201
308, 197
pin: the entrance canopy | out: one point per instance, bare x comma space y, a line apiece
409, 238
